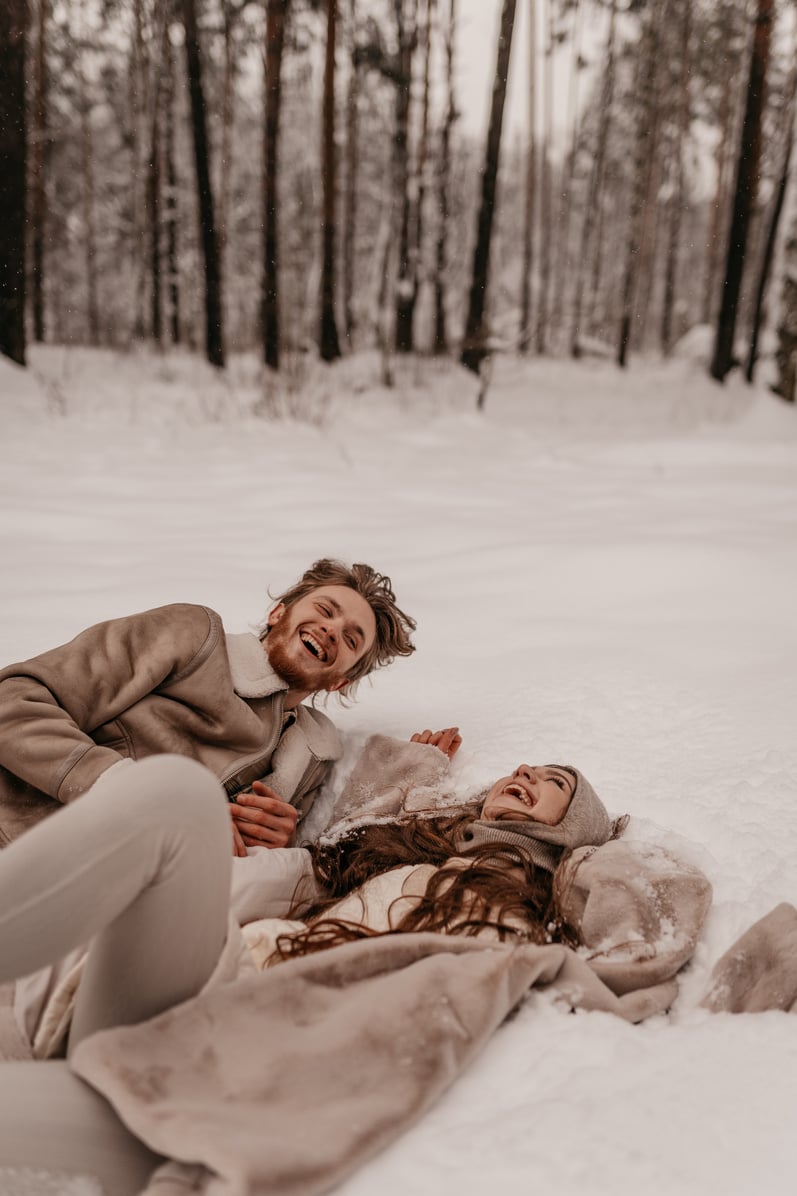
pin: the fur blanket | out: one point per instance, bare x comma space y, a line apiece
285, 1082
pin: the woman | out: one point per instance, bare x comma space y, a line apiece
486, 868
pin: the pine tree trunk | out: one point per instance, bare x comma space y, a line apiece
214, 336
407, 36
440, 331
563, 217
329, 345
786, 353
643, 166
276, 14
545, 189
745, 191
87, 170
13, 180
474, 347
678, 200
352, 172
38, 197
416, 251
772, 229
596, 176
171, 215
139, 107
531, 184
154, 188
230, 13
718, 206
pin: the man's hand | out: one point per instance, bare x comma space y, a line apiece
448, 740
260, 818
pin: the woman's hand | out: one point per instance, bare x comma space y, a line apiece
448, 740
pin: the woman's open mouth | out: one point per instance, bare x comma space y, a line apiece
517, 791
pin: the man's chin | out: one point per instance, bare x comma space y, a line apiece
291, 671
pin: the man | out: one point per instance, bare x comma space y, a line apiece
171, 680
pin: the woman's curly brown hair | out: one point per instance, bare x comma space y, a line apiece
491, 886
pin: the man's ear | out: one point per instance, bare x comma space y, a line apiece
276, 614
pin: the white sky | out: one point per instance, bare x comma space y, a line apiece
476, 53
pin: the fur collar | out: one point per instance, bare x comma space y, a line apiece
252, 675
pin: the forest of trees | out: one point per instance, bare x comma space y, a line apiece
293, 176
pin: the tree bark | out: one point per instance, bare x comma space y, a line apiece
565, 206
171, 217
276, 15
13, 180
230, 14
596, 176
407, 37
139, 108
772, 229
474, 348
38, 180
441, 261
531, 183
154, 187
416, 251
679, 192
214, 335
352, 172
545, 189
786, 353
87, 169
329, 345
745, 191
643, 167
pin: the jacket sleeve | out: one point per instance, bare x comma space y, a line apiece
638, 911
392, 777
51, 704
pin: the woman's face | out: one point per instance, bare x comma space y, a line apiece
533, 793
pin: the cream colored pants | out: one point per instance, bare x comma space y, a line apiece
140, 867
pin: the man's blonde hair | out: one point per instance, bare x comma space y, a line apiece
393, 626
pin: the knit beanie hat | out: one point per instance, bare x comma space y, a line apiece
586, 824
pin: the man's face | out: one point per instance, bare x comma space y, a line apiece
315, 643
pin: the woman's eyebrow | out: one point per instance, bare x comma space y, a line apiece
568, 776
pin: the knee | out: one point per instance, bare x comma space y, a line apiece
170, 790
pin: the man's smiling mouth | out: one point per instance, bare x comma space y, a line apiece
313, 646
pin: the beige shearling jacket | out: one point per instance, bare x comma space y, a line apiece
164, 680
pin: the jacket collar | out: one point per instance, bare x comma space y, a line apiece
252, 675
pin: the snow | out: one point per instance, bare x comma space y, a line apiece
603, 569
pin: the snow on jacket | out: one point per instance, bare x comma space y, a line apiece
164, 680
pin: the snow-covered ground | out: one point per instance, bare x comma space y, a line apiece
603, 567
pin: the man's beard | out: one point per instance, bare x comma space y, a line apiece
283, 664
